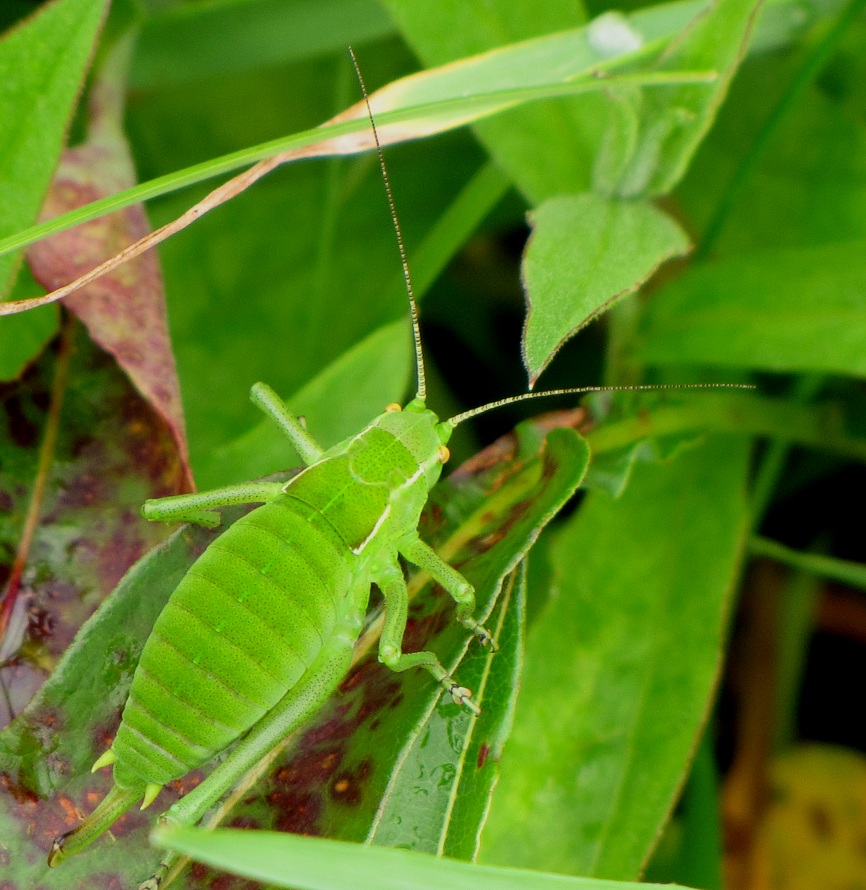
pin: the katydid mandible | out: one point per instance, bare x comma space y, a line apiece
260, 631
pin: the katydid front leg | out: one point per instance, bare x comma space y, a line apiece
265, 398
198, 506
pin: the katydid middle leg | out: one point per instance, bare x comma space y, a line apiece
391, 582
461, 591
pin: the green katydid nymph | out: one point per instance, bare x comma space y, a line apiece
260, 631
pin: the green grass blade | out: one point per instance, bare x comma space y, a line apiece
308, 863
413, 121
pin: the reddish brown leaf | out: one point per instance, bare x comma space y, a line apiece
124, 310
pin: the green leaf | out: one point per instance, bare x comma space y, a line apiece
621, 666
42, 66
654, 140
776, 310
441, 33
586, 252
551, 148
315, 864
437, 798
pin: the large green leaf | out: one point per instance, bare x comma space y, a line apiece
646, 138
621, 666
776, 310
654, 134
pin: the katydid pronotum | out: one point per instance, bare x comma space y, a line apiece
284, 592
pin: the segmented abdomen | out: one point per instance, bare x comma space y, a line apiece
241, 628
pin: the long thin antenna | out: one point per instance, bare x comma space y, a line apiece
413, 306
459, 418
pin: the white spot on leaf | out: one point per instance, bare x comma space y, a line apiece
611, 35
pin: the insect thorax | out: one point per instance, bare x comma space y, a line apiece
420, 432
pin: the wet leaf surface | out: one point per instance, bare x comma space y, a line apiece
621, 666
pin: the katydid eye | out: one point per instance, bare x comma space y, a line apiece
443, 454
392, 408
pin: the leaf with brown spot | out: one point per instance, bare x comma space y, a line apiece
359, 756
112, 452
400, 759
